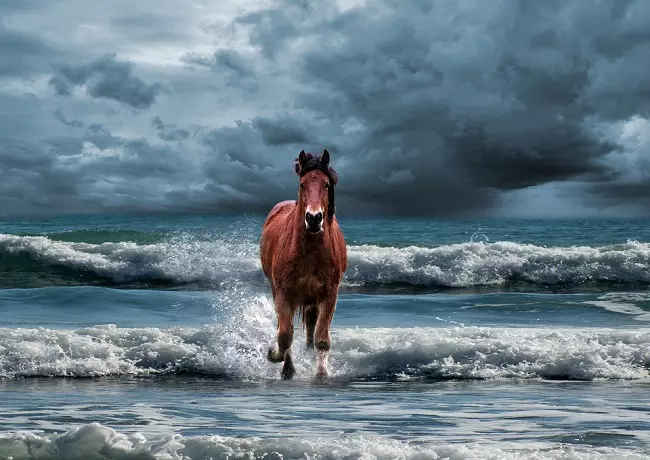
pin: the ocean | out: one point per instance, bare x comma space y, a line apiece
146, 338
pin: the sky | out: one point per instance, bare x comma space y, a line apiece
448, 108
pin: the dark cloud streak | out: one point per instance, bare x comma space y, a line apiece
21, 54
281, 130
234, 69
106, 77
169, 132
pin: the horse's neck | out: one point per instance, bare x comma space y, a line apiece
303, 241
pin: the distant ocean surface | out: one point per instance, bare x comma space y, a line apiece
146, 337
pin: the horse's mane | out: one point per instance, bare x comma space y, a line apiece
312, 163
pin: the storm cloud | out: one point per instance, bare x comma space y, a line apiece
109, 78
452, 108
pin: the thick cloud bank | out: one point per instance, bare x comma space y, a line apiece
452, 108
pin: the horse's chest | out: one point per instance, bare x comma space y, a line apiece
309, 283
309, 278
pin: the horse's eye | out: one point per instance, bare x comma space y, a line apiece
301, 185
327, 185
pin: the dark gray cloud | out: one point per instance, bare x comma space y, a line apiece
281, 130
9, 6
273, 28
169, 132
492, 101
22, 54
106, 77
612, 193
443, 108
234, 69
32, 182
72, 123
149, 27
224, 60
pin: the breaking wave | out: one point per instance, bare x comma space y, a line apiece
96, 441
236, 349
30, 261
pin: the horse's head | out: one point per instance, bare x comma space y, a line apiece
316, 192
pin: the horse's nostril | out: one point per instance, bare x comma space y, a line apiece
314, 218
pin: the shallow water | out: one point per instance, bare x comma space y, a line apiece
146, 338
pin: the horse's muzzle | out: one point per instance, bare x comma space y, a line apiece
314, 221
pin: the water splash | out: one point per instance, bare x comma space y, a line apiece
237, 350
96, 441
218, 263
478, 236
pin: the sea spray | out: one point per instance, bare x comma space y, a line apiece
96, 441
238, 352
211, 264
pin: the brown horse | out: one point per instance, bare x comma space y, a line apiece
304, 257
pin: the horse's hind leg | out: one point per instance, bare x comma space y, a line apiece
281, 352
322, 337
310, 316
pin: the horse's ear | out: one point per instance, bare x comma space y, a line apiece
325, 158
301, 160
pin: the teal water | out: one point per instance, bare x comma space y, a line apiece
145, 337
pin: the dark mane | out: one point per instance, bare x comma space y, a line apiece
312, 163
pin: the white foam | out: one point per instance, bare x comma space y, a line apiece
95, 441
625, 303
190, 259
181, 259
237, 349
478, 263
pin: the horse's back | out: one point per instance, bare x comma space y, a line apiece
339, 247
282, 208
273, 226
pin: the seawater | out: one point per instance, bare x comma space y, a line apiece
125, 337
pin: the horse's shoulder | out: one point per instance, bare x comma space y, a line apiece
283, 207
283, 204
342, 246
338, 233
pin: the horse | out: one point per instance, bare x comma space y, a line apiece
304, 257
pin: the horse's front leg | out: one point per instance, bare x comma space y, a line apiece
282, 351
310, 316
322, 336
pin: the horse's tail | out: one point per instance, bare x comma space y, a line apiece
303, 311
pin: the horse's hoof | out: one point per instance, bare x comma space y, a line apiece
272, 356
321, 377
288, 371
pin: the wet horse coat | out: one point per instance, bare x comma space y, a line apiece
304, 257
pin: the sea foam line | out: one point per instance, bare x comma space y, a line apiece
239, 352
188, 259
94, 440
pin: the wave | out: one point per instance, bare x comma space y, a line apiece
485, 264
94, 440
236, 349
109, 235
32, 261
